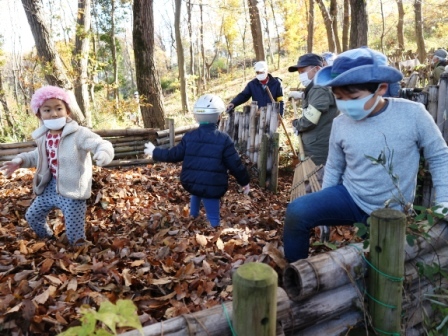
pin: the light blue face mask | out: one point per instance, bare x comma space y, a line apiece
355, 108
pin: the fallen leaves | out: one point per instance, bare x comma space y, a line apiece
142, 246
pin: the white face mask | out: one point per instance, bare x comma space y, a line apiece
304, 79
262, 77
55, 124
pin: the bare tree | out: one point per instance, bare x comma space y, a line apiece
400, 25
257, 32
359, 26
334, 20
180, 57
190, 34
421, 49
46, 50
148, 82
328, 21
310, 19
81, 58
346, 25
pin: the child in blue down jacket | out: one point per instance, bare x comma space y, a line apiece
208, 155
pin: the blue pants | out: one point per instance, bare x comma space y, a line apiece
331, 206
74, 213
211, 206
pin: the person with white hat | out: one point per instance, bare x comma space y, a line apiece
256, 89
439, 61
374, 154
208, 156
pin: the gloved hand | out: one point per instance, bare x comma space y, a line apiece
246, 189
295, 94
10, 167
230, 107
100, 158
442, 209
149, 148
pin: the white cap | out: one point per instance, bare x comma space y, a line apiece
261, 66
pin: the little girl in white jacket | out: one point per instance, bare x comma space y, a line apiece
63, 164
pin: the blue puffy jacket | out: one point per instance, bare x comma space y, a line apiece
257, 91
207, 154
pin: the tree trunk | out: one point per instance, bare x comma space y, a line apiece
268, 33
81, 58
180, 57
190, 34
359, 26
7, 113
400, 25
202, 77
148, 82
47, 52
334, 19
310, 32
257, 32
113, 46
328, 25
277, 30
346, 25
421, 50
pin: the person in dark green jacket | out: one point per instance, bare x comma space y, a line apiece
439, 63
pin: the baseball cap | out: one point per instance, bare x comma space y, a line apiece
306, 60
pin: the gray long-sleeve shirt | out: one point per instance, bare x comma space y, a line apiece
405, 128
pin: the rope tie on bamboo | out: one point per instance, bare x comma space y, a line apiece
228, 319
387, 276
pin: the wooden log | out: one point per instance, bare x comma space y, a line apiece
335, 325
177, 130
438, 236
207, 322
15, 151
124, 149
442, 108
166, 140
130, 143
172, 132
385, 280
126, 139
254, 300
307, 277
440, 257
433, 91
128, 131
135, 162
18, 145
127, 154
273, 186
252, 132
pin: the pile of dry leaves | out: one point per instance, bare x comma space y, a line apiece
142, 246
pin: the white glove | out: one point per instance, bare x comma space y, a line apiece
149, 149
10, 167
295, 94
101, 158
246, 189
441, 208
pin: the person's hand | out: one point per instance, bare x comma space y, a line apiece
295, 94
149, 148
10, 167
230, 107
100, 158
246, 189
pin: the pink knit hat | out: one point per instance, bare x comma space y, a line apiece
48, 92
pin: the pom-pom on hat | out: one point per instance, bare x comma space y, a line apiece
357, 66
48, 92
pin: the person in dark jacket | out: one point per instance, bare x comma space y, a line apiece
208, 155
256, 89
438, 62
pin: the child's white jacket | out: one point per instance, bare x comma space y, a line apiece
74, 174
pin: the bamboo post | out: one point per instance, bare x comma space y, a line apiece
273, 186
385, 281
432, 101
442, 109
172, 132
255, 300
262, 160
252, 131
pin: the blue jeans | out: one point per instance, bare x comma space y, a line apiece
330, 206
211, 206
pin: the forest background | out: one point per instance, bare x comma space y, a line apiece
172, 51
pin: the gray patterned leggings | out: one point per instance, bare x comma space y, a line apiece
74, 213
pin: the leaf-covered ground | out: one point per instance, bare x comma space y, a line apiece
142, 246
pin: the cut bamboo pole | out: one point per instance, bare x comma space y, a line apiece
178, 130
252, 132
254, 300
135, 162
15, 151
262, 160
125, 132
127, 139
442, 108
166, 140
385, 280
17, 145
273, 185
